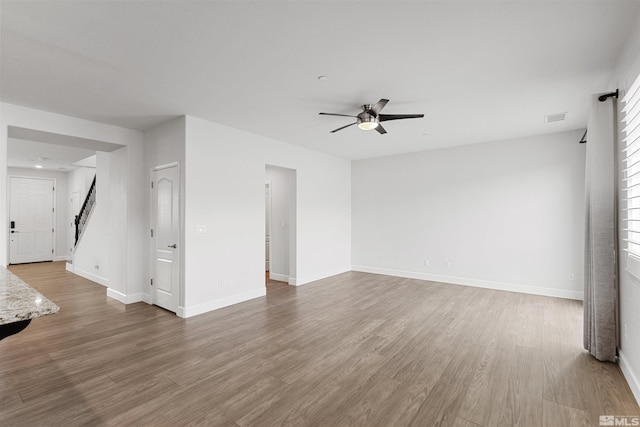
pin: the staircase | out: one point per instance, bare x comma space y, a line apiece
85, 211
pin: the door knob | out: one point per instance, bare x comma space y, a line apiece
172, 246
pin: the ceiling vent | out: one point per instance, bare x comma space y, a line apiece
558, 117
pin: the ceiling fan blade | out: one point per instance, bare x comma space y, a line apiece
380, 129
336, 114
336, 130
379, 105
387, 117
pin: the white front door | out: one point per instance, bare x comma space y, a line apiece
31, 220
165, 221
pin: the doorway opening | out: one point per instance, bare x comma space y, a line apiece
280, 225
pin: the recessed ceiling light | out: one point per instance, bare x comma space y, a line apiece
38, 166
323, 78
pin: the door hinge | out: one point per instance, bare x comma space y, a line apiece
54, 189
152, 232
53, 209
151, 282
151, 184
52, 230
51, 250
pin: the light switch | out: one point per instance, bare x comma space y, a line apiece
201, 228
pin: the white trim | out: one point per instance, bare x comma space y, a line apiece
69, 267
123, 298
629, 375
165, 166
278, 277
320, 276
147, 298
487, 284
90, 276
181, 312
62, 258
194, 310
292, 281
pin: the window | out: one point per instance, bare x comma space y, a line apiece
630, 202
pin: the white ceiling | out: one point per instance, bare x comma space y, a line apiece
479, 71
27, 154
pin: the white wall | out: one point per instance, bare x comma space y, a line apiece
163, 145
91, 255
504, 215
225, 173
79, 180
124, 268
627, 68
283, 227
61, 226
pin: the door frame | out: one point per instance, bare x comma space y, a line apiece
267, 186
54, 217
292, 245
151, 247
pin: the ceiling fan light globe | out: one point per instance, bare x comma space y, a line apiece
368, 125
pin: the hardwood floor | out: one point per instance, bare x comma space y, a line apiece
355, 349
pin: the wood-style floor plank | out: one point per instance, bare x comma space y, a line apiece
356, 349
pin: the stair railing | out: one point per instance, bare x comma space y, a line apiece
87, 207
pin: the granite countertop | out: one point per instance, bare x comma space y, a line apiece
19, 301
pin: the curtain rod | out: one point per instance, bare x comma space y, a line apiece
583, 140
604, 97
601, 98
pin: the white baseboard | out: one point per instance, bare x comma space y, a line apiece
630, 376
93, 277
278, 277
62, 258
487, 284
123, 298
147, 298
292, 281
319, 276
194, 310
69, 267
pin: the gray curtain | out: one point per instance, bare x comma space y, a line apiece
600, 287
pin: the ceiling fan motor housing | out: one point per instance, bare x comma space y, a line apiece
368, 119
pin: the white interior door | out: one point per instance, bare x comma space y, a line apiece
165, 220
31, 220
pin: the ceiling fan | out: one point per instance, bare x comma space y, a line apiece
370, 117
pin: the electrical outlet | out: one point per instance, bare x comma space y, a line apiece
427, 263
447, 264
222, 283
572, 276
